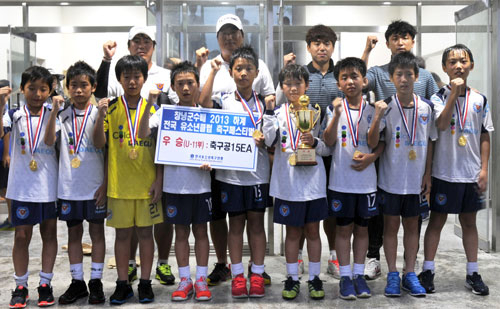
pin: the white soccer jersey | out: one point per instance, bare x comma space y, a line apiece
79, 184
25, 185
398, 174
181, 179
452, 162
343, 178
293, 183
224, 83
230, 102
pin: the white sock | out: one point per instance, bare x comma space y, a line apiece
185, 272
345, 271
300, 255
76, 271
201, 271
333, 255
472, 267
161, 262
45, 278
428, 265
358, 269
22, 280
293, 270
132, 263
96, 270
314, 269
258, 269
237, 269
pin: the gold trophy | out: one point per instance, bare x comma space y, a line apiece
305, 120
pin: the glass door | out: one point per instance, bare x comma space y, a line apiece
473, 28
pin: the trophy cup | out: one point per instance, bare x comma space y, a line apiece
305, 120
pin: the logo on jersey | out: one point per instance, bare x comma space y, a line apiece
336, 205
171, 211
22, 212
223, 197
159, 86
344, 136
441, 199
398, 136
423, 119
452, 124
284, 210
65, 208
477, 107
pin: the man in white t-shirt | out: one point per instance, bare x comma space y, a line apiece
141, 43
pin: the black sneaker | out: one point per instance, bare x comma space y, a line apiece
316, 288
96, 292
77, 289
45, 296
145, 291
267, 278
476, 285
164, 274
426, 279
122, 293
220, 273
19, 297
132, 273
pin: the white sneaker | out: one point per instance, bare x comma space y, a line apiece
372, 269
301, 266
333, 268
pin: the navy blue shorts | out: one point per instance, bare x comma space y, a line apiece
74, 212
404, 205
352, 205
188, 209
300, 213
27, 213
240, 199
217, 212
455, 197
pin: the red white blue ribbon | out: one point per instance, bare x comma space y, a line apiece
246, 106
78, 133
132, 127
462, 115
413, 132
294, 133
353, 129
33, 140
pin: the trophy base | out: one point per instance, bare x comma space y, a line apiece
306, 157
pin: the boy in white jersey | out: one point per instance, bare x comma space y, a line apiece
244, 194
405, 119
81, 187
187, 197
299, 191
33, 160
460, 168
353, 179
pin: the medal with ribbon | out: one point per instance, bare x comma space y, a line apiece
132, 127
462, 117
256, 133
33, 140
75, 162
294, 136
412, 155
352, 128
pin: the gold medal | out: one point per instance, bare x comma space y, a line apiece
33, 165
462, 140
412, 155
133, 154
292, 159
75, 162
356, 154
257, 134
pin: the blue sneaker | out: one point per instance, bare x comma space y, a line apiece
362, 289
347, 288
412, 285
393, 287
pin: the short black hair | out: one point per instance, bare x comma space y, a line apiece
184, 67
245, 52
403, 60
35, 73
347, 63
320, 33
130, 63
293, 71
400, 27
80, 68
457, 47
